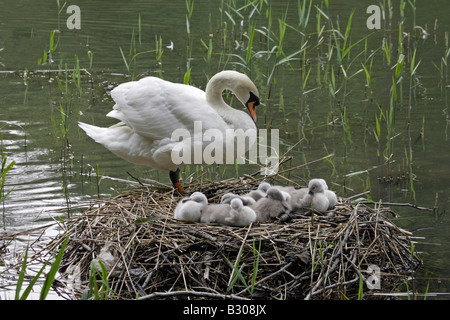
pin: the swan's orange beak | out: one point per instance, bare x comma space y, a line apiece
251, 105
177, 185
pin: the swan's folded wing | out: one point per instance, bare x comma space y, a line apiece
154, 108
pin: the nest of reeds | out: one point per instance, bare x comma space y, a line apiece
303, 255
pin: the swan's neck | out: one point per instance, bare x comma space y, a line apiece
214, 90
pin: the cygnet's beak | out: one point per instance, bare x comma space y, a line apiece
251, 105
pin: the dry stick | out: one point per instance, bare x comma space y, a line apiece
331, 286
156, 295
336, 260
305, 164
266, 278
400, 205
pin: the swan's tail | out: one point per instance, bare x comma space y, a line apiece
92, 131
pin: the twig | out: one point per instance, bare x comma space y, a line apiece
156, 295
400, 205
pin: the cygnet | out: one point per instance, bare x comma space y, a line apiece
275, 204
260, 192
331, 195
234, 214
297, 196
241, 215
246, 200
332, 198
190, 209
216, 213
316, 197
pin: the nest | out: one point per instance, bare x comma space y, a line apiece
303, 255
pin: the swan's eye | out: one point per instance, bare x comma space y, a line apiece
253, 98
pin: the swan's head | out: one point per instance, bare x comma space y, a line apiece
247, 93
241, 85
315, 186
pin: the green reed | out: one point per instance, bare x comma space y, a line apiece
5, 168
49, 279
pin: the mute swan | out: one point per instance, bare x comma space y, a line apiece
275, 204
151, 109
190, 209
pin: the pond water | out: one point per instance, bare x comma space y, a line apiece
388, 138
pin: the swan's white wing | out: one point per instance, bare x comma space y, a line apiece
154, 108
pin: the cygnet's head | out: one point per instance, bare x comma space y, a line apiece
227, 197
199, 197
276, 194
324, 183
264, 187
315, 186
236, 204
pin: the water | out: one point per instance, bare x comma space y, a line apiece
56, 171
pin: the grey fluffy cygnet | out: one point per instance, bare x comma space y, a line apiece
331, 196
241, 215
297, 196
275, 204
246, 200
190, 208
260, 192
316, 197
234, 214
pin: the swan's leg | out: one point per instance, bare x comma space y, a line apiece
175, 178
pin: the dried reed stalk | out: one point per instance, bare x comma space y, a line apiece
299, 256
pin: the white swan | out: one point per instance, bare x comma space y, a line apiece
190, 208
151, 109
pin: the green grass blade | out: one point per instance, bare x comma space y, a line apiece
51, 275
27, 291
21, 275
124, 60
347, 32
